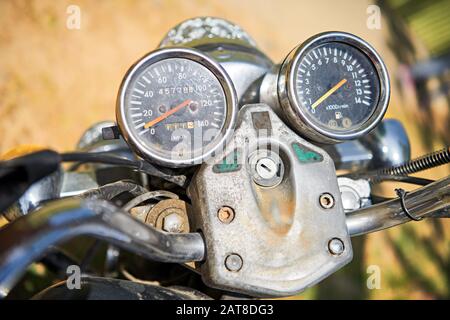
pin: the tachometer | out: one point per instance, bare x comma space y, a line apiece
333, 87
176, 106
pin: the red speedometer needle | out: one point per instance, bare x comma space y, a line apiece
167, 114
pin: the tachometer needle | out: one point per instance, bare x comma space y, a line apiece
167, 114
328, 93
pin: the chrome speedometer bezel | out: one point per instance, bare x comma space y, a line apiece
293, 108
184, 53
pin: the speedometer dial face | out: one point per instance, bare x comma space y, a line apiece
176, 109
338, 86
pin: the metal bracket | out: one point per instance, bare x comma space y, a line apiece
281, 239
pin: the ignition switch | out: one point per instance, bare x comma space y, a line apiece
266, 167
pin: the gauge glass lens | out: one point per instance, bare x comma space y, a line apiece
176, 108
337, 86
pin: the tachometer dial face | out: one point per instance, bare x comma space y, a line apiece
176, 108
333, 87
338, 86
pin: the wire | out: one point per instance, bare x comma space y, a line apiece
427, 161
406, 179
402, 195
401, 172
139, 165
374, 178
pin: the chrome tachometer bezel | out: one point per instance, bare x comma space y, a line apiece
296, 113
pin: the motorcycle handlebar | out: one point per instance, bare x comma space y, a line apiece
30, 237
432, 200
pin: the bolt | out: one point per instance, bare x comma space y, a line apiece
172, 223
336, 246
225, 214
233, 262
326, 200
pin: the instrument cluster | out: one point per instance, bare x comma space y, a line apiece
177, 106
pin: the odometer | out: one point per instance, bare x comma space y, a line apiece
176, 107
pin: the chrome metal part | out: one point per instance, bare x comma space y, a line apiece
432, 200
336, 246
355, 194
92, 141
203, 29
350, 155
425, 162
75, 183
233, 262
280, 84
45, 189
388, 143
280, 233
30, 237
173, 222
93, 135
229, 45
146, 150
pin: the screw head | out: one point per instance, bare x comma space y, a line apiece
233, 262
225, 214
336, 246
326, 200
172, 223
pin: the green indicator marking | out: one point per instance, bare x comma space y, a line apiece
229, 164
305, 155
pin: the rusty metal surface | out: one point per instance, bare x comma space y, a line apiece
263, 252
168, 207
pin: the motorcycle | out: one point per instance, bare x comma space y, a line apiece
225, 175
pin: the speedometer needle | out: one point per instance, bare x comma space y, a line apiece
328, 93
167, 114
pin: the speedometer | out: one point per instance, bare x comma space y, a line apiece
176, 107
333, 87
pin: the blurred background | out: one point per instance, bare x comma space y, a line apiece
55, 82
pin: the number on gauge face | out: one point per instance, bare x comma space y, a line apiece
337, 85
176, 107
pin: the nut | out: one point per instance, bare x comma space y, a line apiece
326, 200
173, 223
336, 246
233, 262
225, 214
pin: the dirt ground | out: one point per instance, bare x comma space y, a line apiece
55, 82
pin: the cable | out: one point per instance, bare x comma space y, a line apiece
401, 172
406, 179
375, 178
428, 161
140, 165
